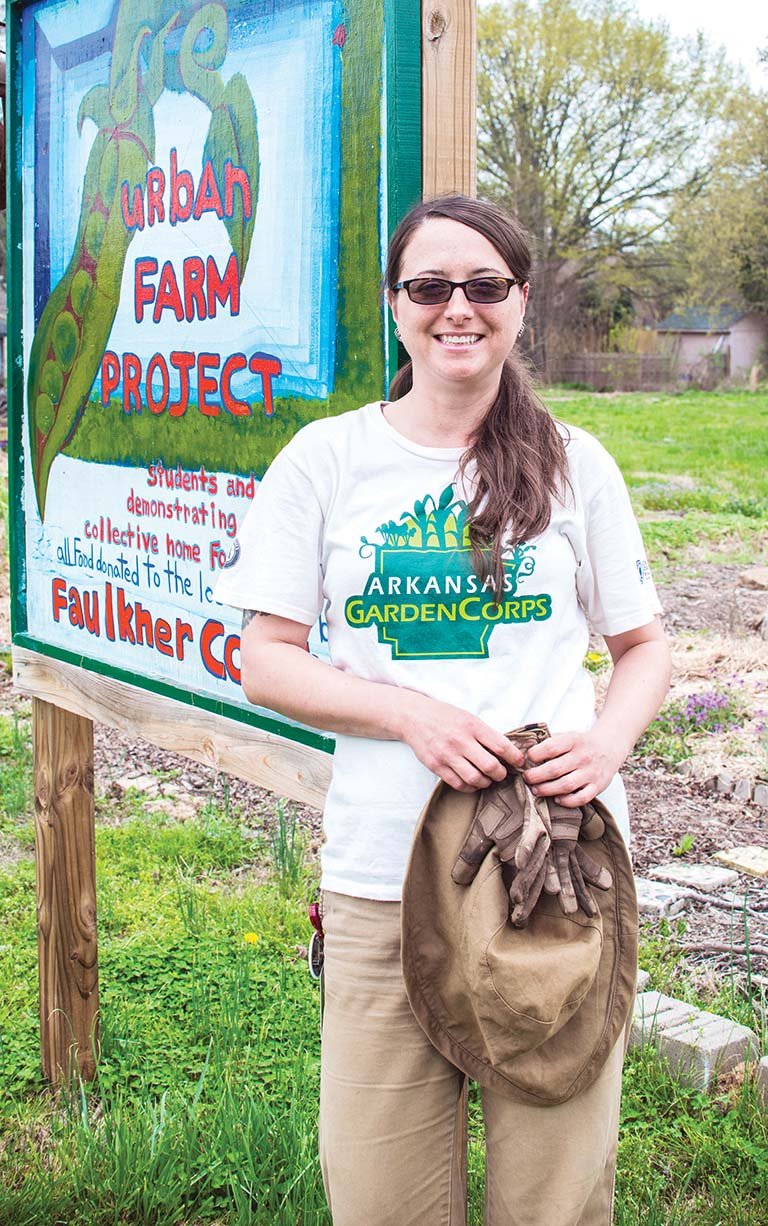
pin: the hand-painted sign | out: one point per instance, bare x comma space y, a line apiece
201, 190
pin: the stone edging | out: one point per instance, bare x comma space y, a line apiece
697, 1045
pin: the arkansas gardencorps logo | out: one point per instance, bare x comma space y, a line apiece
423, 595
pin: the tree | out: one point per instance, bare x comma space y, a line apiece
591, 123
723, 233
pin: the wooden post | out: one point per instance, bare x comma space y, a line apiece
449, 96
449, 153
66, 891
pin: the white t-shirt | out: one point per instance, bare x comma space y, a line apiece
357, 523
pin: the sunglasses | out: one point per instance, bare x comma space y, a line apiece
430, 291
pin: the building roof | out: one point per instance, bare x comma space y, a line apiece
695, 319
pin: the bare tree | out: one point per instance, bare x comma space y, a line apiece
591, 122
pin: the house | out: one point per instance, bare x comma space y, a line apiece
727, 341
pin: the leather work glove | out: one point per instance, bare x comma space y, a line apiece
507, 818
511, 819
573, 866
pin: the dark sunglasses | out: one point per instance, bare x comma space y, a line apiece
429, 291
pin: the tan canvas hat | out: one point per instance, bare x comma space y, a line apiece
531, 1012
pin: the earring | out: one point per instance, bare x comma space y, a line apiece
522, 330
398, 334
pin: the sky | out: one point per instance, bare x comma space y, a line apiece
741, 26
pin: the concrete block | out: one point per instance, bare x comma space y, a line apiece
643, 979
697, 1045
752, 860
724, 785
656, 898
761, 1081
653, 1012
704, 877
742, 789
760, 794
697, 1052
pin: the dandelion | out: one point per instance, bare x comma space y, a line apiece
251, 938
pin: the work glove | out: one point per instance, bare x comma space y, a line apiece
571, 869
508, 817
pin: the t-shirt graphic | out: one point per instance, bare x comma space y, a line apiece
423, 594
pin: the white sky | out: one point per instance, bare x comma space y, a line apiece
741, 26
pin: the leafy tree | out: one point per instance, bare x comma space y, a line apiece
591, 122
723, 233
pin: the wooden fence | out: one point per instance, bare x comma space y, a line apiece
622, 372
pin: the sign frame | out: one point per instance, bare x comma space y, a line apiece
401, 137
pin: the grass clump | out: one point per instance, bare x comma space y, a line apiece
287, 847
15, 767
700, 489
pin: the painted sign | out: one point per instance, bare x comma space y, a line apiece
202, 190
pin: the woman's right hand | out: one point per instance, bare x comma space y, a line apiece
464, 751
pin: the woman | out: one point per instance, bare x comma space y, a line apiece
456, 539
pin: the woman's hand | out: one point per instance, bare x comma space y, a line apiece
278, 672
573, 767
460, 748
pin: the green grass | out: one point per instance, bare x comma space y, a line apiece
15, 767
204, 1106
717, 441
696, 465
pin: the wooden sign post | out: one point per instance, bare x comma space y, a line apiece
184, 294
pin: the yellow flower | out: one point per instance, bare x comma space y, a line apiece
251, 938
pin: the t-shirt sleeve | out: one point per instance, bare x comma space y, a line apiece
614, 579
278, 563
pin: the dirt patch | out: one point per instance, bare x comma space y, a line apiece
712, 601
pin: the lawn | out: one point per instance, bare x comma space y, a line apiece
696, 465
204, 1105
712, 447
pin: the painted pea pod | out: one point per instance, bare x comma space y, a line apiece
77, 320
233, 137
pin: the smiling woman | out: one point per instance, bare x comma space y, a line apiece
459, 310
457, 541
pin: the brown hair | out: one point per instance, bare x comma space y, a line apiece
518, 452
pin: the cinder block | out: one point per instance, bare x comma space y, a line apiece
696, 1044
652, 1013
705, 877
761, 1080
706, 1046
760, 794
656, 898
643, 979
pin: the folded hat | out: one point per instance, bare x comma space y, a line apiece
531, 1012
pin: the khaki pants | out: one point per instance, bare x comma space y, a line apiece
391, 1107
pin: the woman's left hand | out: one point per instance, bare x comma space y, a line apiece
573, 767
